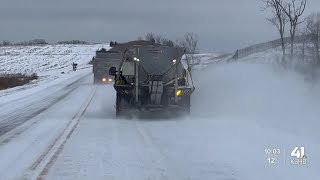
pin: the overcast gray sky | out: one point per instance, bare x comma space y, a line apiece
222, 25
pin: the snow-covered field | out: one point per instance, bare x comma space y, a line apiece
66, 129
30, 59
51, 62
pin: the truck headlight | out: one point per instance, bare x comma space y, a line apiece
110, 80
104, 79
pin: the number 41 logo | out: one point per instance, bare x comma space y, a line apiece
298, 152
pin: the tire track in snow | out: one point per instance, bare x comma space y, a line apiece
165, 170
177, 168
22, 115
57, 146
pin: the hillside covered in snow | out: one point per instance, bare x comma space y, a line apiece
39, 59
52, 63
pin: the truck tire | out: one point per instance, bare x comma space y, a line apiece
96, 80
186, 104
122, 107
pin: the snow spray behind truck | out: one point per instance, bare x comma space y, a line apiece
102, 62
153, 79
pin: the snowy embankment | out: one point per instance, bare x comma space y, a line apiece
200, 61
274, 56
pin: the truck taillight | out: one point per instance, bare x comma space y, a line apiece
178, 93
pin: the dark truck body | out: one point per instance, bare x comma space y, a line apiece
152, 79
102, 62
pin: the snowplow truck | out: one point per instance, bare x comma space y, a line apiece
152, 80
102, 62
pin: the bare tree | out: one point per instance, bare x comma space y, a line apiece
190, 43
158, 39
304, 35
167, 42
294, 10
6, 43
313, 28
279, 19
150, 37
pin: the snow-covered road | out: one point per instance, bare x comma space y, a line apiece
233, 121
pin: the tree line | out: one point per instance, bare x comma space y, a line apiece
189, 41
24, 43
39, 42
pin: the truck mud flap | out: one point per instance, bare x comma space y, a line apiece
124, 89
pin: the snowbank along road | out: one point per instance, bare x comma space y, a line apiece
68, 130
